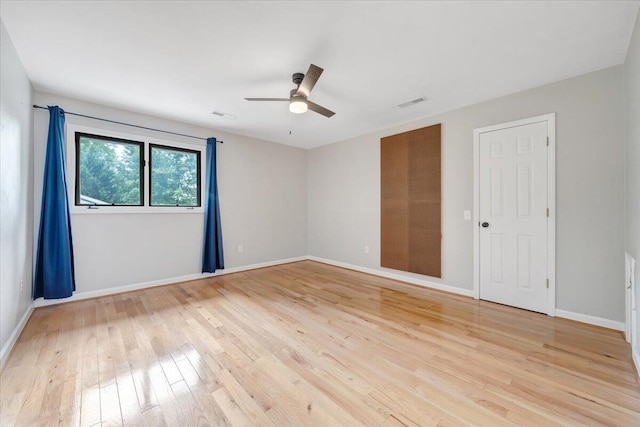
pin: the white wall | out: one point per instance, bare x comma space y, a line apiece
344, 190
632, 157
16, 189
263, 196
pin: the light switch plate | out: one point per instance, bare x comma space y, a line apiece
467, 215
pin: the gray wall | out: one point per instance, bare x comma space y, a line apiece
263, 195
632, 157
16, 189
344, 195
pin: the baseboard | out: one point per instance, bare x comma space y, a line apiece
592, 320
13, 338
78, 296
40, 302
584, 318
401, 278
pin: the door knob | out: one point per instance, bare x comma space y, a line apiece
485, 224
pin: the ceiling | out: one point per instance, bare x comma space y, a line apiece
183, 60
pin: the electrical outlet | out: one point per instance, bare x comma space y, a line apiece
21, 286
240, 249
366, 249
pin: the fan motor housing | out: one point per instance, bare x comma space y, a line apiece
297, 78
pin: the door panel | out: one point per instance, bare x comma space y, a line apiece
513, 202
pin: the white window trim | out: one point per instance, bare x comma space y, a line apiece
71, 130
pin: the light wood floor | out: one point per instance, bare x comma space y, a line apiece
310, 344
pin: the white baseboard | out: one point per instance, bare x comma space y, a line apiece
399, 277
584, 318
13, 338
592, 320
6, 349
41, 302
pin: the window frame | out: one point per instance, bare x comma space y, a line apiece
140, 144
70, 146
198, 154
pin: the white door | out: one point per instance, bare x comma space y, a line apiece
513, 214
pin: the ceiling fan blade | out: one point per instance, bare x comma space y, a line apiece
319, 109
310, 79
267, 99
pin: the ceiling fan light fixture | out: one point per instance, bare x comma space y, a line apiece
297, 99
298, 105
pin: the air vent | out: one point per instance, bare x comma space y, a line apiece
224, 115
412, 102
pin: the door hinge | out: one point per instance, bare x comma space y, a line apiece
547, 141
547, 212
547, 283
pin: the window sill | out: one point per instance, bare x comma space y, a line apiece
115, 210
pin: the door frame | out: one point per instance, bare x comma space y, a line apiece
630, 301
550, 119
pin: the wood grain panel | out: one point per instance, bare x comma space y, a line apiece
307, 344
394, 245
411, 194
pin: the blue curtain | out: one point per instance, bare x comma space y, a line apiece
212, 254
54, 276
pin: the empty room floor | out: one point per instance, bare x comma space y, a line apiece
311, 344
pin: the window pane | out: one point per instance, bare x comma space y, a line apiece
109, 171
175, 177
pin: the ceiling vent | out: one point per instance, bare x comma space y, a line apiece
224, 115
412, 102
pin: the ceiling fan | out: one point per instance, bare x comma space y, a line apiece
298, 98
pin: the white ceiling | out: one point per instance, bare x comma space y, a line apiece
183, 59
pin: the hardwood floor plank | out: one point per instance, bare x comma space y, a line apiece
110, 405
10, 408
129, 406
191, 410
90, 403
231, 410
243, 400
311, 344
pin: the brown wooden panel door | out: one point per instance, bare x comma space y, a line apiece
410, 170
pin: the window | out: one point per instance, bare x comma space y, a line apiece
126, 173
175, 176
109, 171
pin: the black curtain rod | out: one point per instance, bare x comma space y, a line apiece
128, 124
